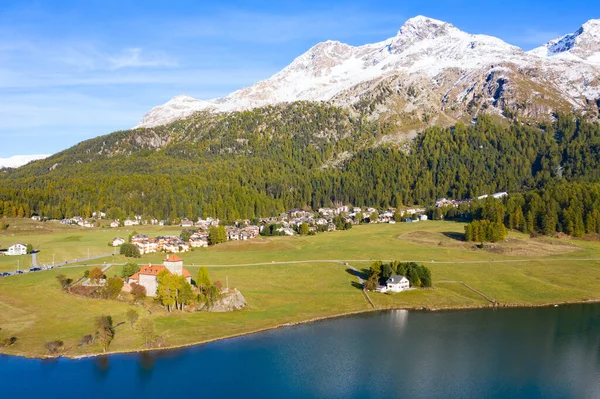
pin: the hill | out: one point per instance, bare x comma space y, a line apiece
257, 163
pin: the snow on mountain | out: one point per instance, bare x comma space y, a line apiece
454, 69
582, 45
19, 160
178, 107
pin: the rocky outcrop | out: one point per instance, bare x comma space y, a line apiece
229, 301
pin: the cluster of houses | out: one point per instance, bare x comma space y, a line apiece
15, 250
147, 244
444, 202
79, 221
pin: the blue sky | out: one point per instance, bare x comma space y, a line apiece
71, 70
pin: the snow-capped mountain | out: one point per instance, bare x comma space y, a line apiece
583, 45
429, 72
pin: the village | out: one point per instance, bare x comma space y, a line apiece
293, 222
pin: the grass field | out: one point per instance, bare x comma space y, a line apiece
519, 271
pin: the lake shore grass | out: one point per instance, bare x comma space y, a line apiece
518, 272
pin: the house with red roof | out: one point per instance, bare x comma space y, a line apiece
147, 276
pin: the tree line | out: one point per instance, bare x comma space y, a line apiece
259, 163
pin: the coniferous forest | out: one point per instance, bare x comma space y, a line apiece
261, 162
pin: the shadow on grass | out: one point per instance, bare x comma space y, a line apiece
454, 235
362, 274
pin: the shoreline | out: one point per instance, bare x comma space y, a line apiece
308, 321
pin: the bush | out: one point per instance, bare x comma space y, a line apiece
130, 251
54, 346
138, 291
87, 339
7, 342
63, 280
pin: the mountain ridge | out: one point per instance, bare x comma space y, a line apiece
452, 68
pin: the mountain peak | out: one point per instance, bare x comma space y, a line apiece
583, 44
421, 27
593, 25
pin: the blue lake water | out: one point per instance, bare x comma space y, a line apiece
506, 353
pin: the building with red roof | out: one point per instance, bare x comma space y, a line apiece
147, 276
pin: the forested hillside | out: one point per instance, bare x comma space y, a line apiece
261, 162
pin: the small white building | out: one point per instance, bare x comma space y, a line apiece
397, 283
422, 217
117, 242
115, 224
17, 249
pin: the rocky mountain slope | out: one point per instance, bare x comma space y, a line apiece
429, 73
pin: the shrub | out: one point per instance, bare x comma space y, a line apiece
7, 341
54, 346
63, 280
87, 339
138, 291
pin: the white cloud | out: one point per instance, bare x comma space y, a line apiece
19, 160
133, 58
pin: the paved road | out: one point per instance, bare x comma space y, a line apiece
34, 259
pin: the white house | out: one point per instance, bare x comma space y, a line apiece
17, 249
129, 222
117, 242
397, 283
422, 217
115, 224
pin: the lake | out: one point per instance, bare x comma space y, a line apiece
505, 353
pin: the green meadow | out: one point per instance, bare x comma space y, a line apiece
289, 280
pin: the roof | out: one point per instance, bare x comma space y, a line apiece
135, 277
151, 270
394, 279
186, 273
173, 258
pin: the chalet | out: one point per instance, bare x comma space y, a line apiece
128, 222
17, 249
147, 276
423, 217
117, 242
115, 224
397, 284
36, 218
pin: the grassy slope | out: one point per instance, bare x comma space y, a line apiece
35, 310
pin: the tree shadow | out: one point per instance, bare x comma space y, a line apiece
361, 274
454, 235
357, 273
